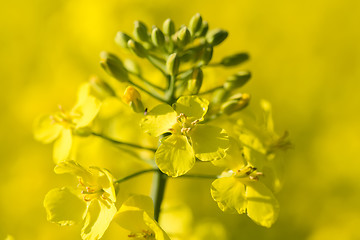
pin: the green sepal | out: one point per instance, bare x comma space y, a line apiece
169, 27
113, 66
183, 36
137, 48
195, 24
122, 39
234, 59
157, 37
216, 36
141, 31
237, 80
172, 64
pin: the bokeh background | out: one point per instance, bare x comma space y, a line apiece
305, 59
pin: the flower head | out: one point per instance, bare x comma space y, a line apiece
93, 201
189, 138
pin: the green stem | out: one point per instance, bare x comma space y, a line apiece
124, 143
157, 192
170, 93
204, 176
210, 90
146, 81
157, 63
135, 175
153, 94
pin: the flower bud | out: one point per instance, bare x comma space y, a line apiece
219, 96
169, 27
157, 37
207, 55
235, 103
195, 82
237, 80
216, 36
183, 36
100, 87
195, 24
122, 39
136, 48
113, 66
132, 66
234, 59
172, 64
203, 30
141, 31
133, 99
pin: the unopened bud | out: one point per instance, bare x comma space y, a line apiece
157, 37
137, 48
133, 99
113, 66
203, 30
122, 39
219, 96
132, 66
194, 84
100, 87
237, 80
169, 27
141, 31
195, 24
235, 103
184, 36
216, 36
172, 64
207, 55
234, 59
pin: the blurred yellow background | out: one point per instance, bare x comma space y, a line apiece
305, 59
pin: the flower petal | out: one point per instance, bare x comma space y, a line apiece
229, 193
209, 142
233, 159
159, 120
175, 156
155, 227
98, 218
88, 109
63, 145
262, 207
45, 129
192, 106
64, 207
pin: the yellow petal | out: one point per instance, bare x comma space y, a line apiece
87, 111
175, 156
209, 142
45, 129
159, 120
62, 146
192, 106
233, 159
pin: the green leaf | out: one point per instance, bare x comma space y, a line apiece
45, 129
98, 218
64, 207
209, 142
192, 106
159, 120
63, 145
175, 156
229, 193
262, 207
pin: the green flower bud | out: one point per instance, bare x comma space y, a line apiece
195, 82
183, 36
133, 98
234, 59
169, 27
100, 87
157, 37
137, 48
122, 39
235, 103
172, 64
219, 96
113, 66
207, 55
203, 30
216, 36
132, 66
195, 24
237, 80
141, 31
